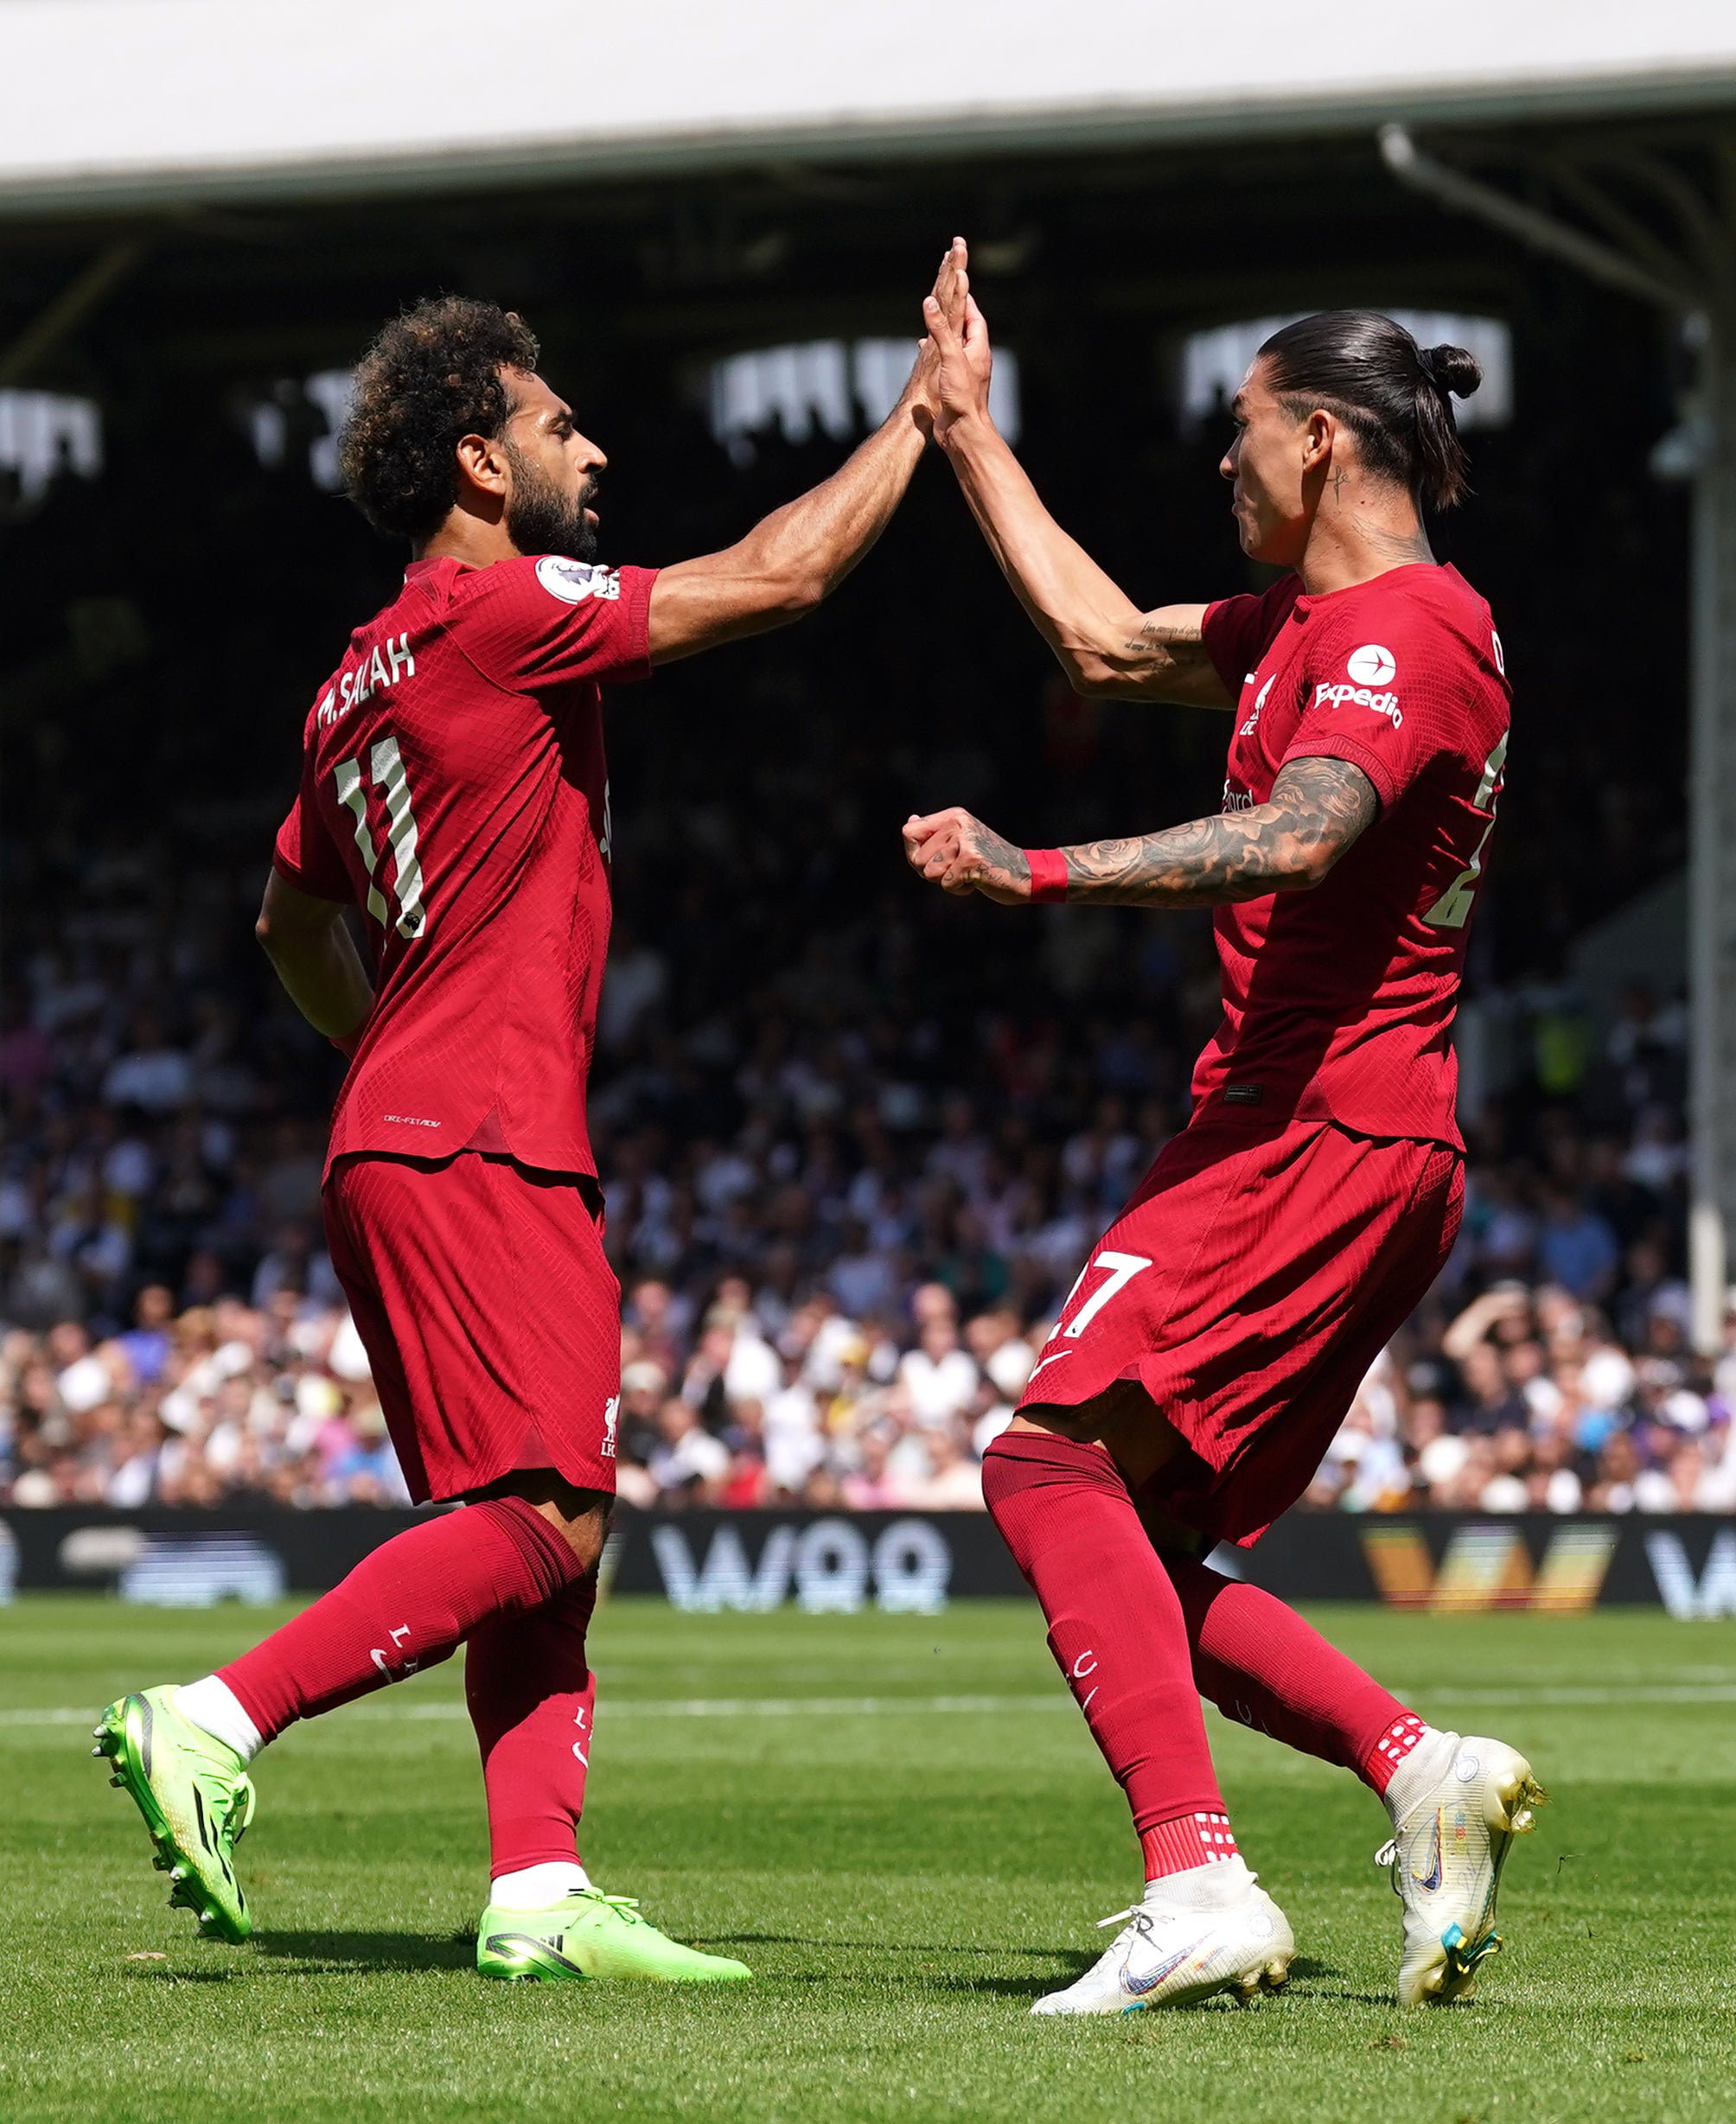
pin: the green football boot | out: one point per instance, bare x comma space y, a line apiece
592, 1934
196, 1798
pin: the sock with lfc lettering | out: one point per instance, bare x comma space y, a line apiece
407, 1606
531, 1694
1116, 1629
1260, 1663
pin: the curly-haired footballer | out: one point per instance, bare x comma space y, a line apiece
453, 789
1217, 1335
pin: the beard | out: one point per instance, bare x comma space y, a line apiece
540, 519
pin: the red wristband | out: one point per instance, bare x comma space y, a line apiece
1048, 873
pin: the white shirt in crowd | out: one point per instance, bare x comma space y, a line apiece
938, 1388
754, 1371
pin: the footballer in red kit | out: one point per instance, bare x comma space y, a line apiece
454, 793
1220, 1330
454, 787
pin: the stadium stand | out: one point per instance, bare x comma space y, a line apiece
844, 1198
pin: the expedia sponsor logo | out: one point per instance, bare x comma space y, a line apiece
1371, 665
1327, 695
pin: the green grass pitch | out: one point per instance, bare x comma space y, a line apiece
904, 1871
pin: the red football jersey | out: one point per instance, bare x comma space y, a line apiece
454, 788
1337, 1003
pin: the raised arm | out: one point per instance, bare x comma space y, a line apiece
1106, 645
800, 554
308, 944
797, 555
1317, 809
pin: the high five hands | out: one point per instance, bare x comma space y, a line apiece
959, 333
950, 382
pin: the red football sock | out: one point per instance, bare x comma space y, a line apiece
1115, 1627
407, 1606
531, 1694
1259, 1661
1189, 1840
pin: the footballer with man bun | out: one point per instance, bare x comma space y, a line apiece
454, 790
1218, 1333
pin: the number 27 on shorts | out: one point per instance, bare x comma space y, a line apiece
1120, 1271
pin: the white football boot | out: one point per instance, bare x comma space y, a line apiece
1457, 1805
1210, 1930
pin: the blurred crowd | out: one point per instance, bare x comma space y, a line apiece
857, 1136
844, 1223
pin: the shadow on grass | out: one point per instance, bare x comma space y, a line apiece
1012, 1986
1309, 1971
369, 1950
1329, 1982
1069, 1964
887, 1947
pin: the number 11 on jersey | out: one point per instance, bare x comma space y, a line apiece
387, 772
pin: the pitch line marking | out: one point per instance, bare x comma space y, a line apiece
882, 1707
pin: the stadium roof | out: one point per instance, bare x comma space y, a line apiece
126, 104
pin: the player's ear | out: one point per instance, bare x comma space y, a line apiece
481, 467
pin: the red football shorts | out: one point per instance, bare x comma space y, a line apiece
1248, 1285
489, 1314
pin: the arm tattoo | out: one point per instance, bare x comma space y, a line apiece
1317, 809
1160, 645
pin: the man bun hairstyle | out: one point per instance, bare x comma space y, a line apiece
1394, 396
430, 378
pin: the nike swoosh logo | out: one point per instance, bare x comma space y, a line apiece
1056, 1359
1140, 1985
1432, 1879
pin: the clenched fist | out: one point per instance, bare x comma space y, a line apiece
960, 854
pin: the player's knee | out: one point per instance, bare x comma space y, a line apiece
580, 1516
1033, 1457
583, 1516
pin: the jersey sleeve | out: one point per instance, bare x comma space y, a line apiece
1386, 691
1238, 631
542, 624
305, 852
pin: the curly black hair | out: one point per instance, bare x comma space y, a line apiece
431, 377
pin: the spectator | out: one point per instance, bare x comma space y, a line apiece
689, 1466
1576, 1247
151, 1074
939, 1376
